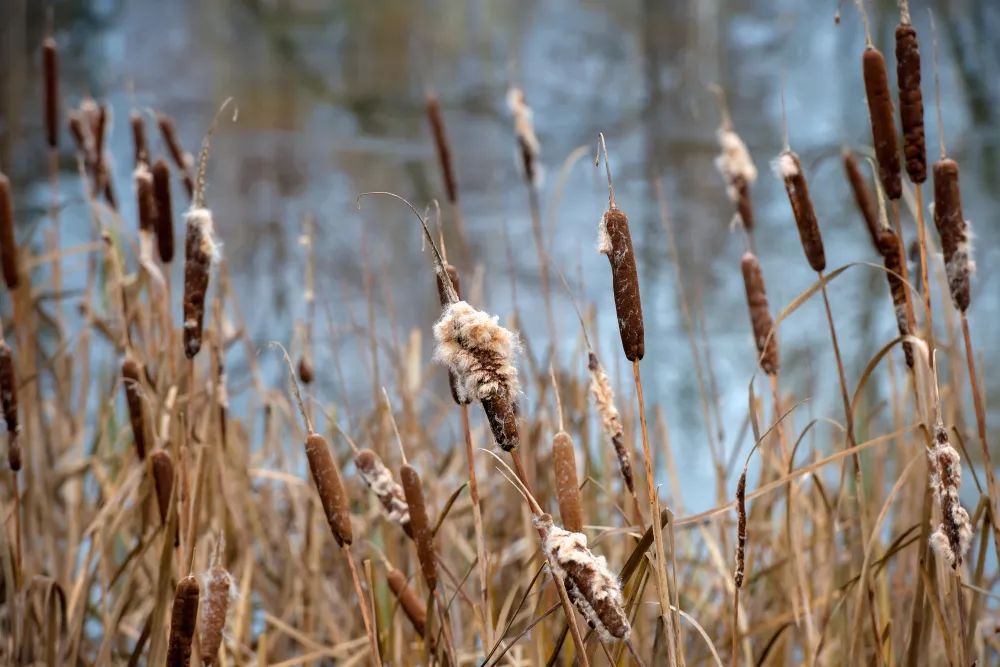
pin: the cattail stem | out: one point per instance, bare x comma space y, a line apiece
734, 655
543, 265
903, 266
18, 559
924, 279
477, 522
376, 654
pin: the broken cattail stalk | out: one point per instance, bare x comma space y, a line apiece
50, 76
8, 244
163, 478
790, 169
615, 241
567, 482
131, 374
862, 196
214, 606
443, 147
414, 609
379, 479
330, 487
741, 530
760, 314
892, 258
883, 122
458, 393
8, 402
164, 219
423, 532
911, 101
183, 620
954, 231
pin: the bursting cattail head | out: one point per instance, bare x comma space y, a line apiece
183, 619
739, 171
214, 606
50, 75
131, 374
953, 535
423, 532
164, 211
862, 196
892, 258
414, 609
141, 149
604, 398
330, 488
595, 590
163, 477
790, 169
911, 101
760, 314
145, 199
458, 393
8, 242
200, 252
379, 479
443, 147
528, 145
567, 482
8, 402
883, 122
741, 530
954, 231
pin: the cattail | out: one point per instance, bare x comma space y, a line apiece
163, 477
443, 147
214, 606
305, 367
136, 405
760, 314
8, 244
138, 123
8, 402
954, 231
615, 241
567, 483
741, 530
408, 600
200, 251
862, 195
50, 76
527, 141
892, 258
183, 619
182, 160
790, 169
164, 211
330, 488
883, 122
379, 479
604, 397
592, 587
99, 127
145, 200
953, 535
911, 101
737, 168
423, 533
458, 394
80, 131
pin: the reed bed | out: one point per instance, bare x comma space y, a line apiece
157, 511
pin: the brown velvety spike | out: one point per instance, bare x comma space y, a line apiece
443, 147
625, 279
214, 607
883, 122
862, 196
139, 146
414, 609
164, 211
911, 101
199, 251
168, 130
892, 258
306, 372
501, 412
567, 482
760, 314
331, 489
163, 477
457, 393
131, 374
423, 532
954, 231
50, 75
145, 199
8, 402
8, 243
802, 208
741, 530
183, 620
744, 205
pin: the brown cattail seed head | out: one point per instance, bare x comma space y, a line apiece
408, 600
567, 483
862, 196
883, 122
736, 166
163, 477
330, 488
741, 530
443, 147
423, 533
164, 211
50, 74
454, 382
169, 133
615, 241
183, 619
953, 535
954, 231
797, 188
145, 200
604, 397
760, 314
892, 258
306, 371
214, 606
131, 374
8, 244
502, 413
379, 479
911, 101
8, 402
200, 251
138, 123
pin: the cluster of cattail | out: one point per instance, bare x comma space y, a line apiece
954, 231
183, 620
790, 169
524, 128
132, 382
738, 169
379, 479
615, 241
863, 196
183, 160
214, 605
8, 402
760, 314
953, 536
604, 398
8, 243
593, 588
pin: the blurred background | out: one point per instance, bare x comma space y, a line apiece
331, 104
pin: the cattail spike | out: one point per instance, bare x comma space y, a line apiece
790, 169
423, 533
8, 403
145, 200
741, 530
131, 380
883, 122
8, 244
911, 99
164, 219
408, 600
183, 620
892, 257
50, 76
331, 491
862, 195
567, 482
214, 605
760, 314
954, 230
163, 477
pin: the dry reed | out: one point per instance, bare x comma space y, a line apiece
183, 620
